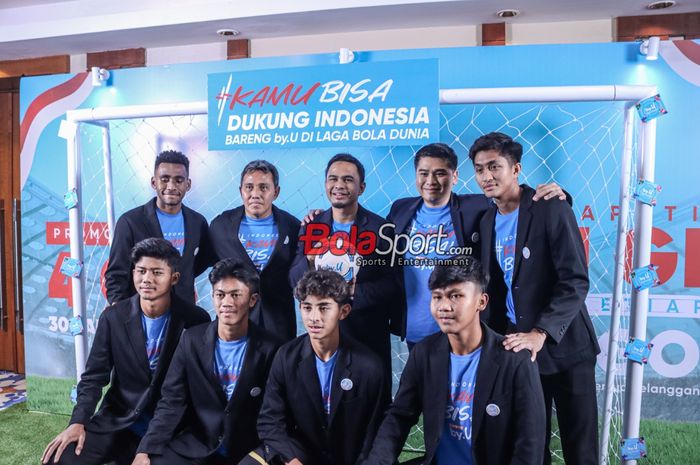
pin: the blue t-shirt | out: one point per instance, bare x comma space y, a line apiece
325, 379
506, 229
259, 238
456, 441
420, 322
154, 330
228, 361
342, 226
173, 228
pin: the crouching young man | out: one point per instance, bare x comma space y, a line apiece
133, 345
326, 393
481, 404
214, 388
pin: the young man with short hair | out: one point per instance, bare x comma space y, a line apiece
481, 404
265, 237
164, 216
374, 286
214, 388
535, 257
436, 209
133, 345
326, 392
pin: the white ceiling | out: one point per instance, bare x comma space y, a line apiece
48, 27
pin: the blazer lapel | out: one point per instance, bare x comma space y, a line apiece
342, 371
456, 220
247, 375
191, 233
524, 219
151, 220
439, 378
403, 219
309, 378
172, 337
486, 375
283, 235
235, 223
134, 330
487, 238
205, 353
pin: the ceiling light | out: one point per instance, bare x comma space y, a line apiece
508, 13
660, 5
100, 76
228, 32
650, 48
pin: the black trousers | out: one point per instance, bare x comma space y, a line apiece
171, 457
118, 447
574, 395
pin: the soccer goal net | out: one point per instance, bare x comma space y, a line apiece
586, 139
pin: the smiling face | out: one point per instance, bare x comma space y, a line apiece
434, 180
153, 278
232, 301
343, 186
321, 316
171, 182
258, 191
497, 175
456, 307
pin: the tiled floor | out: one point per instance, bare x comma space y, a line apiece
13, 389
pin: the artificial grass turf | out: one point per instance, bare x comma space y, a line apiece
24, 435
51, 395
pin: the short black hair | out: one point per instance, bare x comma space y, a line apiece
263, 166
323, 283
156, 247
500, 142
350, 159
232, 268
437, 150
173, 156
459, 270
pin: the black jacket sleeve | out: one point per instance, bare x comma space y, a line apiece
118, 274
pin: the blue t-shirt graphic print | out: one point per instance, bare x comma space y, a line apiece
154, 331
228, 361
506, 229
259, 238
455, 445
173, 228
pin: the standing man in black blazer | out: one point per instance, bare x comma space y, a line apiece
133, 345
481, 404
164, 216
325, 396
214, 388
437, 209
535, 257
373, 289
265, 237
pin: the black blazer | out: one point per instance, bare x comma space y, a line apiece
549, 286
509, 380
141, 223
375, 289
191, 386
466, 211
118, 355
292, 422
275, 310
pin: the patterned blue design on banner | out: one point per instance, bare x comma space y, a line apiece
381, 103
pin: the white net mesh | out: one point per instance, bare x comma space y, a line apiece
577, 145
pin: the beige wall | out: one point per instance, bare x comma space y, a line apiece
429, 37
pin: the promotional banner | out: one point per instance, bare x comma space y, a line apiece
385, 103
577, 145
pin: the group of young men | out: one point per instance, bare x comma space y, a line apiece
495, 337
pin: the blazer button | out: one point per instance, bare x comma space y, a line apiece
137, 411
221, 438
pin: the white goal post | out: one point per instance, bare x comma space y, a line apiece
645, 160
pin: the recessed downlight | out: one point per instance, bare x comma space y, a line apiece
661, 5
228, 32
508, 13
